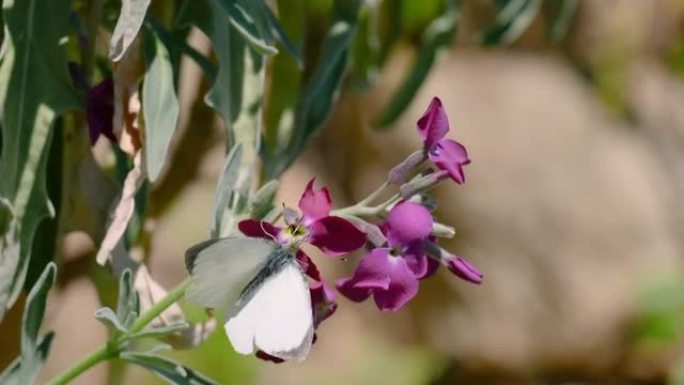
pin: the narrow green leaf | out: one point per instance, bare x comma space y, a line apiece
438, 35
160, 104
168, 370
109, 318
262, 201
35, 88
245, 25
161, 331
563, 12
280, 34
321, 89
511, 22
225, 188
12, 374
31, 321
127, 26
128, 305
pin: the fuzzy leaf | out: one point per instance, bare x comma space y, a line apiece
12, 374
438, 35
160, 104
32, 356
563, 12
511, 22
35, 89
161, 331
169, 370
109, 318
321, 89
128, 304
127, 26
225, 188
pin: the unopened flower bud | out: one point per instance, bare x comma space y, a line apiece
422, 184
442, 231
464, 269
262, 201
402, 171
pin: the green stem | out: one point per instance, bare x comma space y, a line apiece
111, 348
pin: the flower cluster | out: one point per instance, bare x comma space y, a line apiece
400, 234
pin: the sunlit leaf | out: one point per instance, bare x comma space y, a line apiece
245, 25
160, 104
127, 26
511, 22
438, 35
563, 12
34, 89
321, 89
225, 188
109, 318
170, 371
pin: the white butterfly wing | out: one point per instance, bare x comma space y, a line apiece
277, 318
220, 270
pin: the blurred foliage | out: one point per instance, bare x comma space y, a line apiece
274, 76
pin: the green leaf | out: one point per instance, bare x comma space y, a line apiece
160, 104
438, 35
511, 22
563, 12
161, 331
128, 305
35, 88
245, 25
225, 188
321, 89
109, 318
127, 26
12, 374
169, 370
31, 354
280, 34
261, 202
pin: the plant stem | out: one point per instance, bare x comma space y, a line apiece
111, 348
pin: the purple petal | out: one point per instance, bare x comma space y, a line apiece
315, 204
432, 266
373, 272
451, 156
335, 236
402, 288
464, 270
434, 124
308, 266
408, 222
100, 111
258, 229
346, 287
416, 260
322, 301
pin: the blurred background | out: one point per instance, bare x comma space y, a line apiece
572, 209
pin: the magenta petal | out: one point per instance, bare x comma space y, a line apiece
100, 111
416, 260
335, 235
451, 156
434, 124
308, 266
402, 288
322, 301
409, 222
373, 272
258, 229
315, 204
346, 287
464, 270
432, 266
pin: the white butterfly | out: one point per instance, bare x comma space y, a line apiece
262, 291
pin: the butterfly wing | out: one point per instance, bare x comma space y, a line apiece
221, 269
276, 317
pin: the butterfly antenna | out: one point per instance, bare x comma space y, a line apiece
261, 225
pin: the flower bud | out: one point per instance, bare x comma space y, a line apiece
442, 231
464, 269
261, 202
402, 171
422, 184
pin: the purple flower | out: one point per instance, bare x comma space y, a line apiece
390, 274
333, 235
100, 111
463, 269
446, 154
